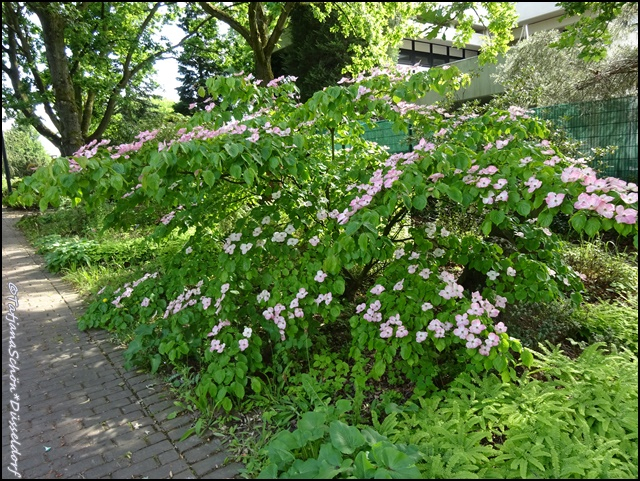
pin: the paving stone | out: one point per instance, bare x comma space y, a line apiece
79, 407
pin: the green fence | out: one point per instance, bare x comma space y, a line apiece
383, 134
600, 124
593, 124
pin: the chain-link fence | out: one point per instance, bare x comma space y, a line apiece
593, 124
600, 124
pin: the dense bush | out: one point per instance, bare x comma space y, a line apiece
310, 241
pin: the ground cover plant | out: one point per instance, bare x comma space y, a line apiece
317, 257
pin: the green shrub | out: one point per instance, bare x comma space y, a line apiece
612, 322
566, 419
608, 274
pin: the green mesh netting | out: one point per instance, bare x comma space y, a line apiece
600, 124
593, 124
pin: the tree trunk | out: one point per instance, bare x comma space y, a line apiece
264, 71
53, 25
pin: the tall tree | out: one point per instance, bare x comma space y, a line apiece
382, 25
536, 73
78, 62
318, 53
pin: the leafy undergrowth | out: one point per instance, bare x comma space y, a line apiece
564, 419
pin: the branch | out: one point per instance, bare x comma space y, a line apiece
279, 28
228, 19
24, 45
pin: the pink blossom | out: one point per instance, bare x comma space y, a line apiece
502, 196
243, 344
500, 328
626, 216
421, 336
533, 183
320, 276
500, 184
501, 143
399, 285
483, 182
553, 199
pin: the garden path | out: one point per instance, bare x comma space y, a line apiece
69, 408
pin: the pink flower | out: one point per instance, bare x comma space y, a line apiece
502, 196
483, 182
553, 199
145, 302
533, 183
243, 344
320, 276
421, 336
500, 328
377, 289
626, 216
399, 285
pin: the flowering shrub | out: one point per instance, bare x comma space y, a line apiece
319, 230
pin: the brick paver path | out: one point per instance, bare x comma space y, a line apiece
69, 408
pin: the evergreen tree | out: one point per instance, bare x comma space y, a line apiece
318, 53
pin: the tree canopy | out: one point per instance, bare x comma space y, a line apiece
531, 75
382, 26
79, 62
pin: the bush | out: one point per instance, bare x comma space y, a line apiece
606, 273
305, 236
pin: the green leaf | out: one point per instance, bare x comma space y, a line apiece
236, 171
523, 208
363, 468
545, 218
592, 227
455, 195
420, 201
331, 265
339, 286
527, 358
578, 221
497, 216
486, 227
363, 241
344, 438
378, 369
249, 176
208, 177
400, 465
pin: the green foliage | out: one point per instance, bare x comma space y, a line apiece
608, 273
613, 322
565, 419
534, 323
591, 33
71, 253
317, 54
205, 55
307, 240
324, 446
25, 153
103, 55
